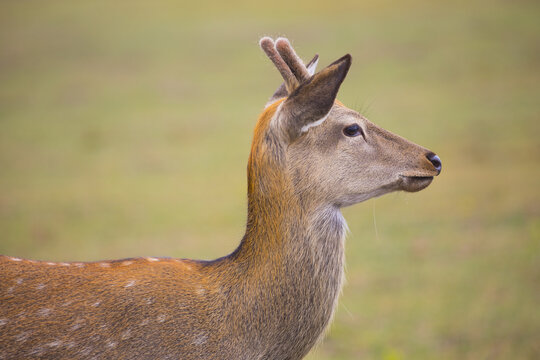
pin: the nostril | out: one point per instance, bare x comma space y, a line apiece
435, 160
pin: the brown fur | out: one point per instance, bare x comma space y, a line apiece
272, 298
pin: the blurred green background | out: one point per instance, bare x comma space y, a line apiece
125, 129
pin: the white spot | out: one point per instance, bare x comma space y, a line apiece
126, 263
44, 312
145, 322
130, 283
126, 335
161, 318
19, 281
79, 265
111, 344
55, 343
37, 351
10, 289
104, 264
64, 264
22, 337
21, 314
149, 301
40, 286
152, 259
314, 123
14, 259
200, 339
78, 324
3, 322
67, 303
50, 263
96, 304
32, 261
200, 290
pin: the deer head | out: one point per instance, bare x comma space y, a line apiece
332, 155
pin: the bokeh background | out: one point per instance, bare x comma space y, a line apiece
125, 129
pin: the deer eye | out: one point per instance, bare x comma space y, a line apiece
353, 130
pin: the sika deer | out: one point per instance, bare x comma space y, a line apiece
274, 296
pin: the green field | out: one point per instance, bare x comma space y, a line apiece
125, 129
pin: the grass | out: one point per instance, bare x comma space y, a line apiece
125, 131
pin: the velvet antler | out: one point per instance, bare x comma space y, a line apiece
284, 48
268, 46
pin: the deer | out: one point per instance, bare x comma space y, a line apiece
274, 296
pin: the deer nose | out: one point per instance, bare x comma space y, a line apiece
435, 160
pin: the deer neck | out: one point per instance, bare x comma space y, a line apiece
283, 228
294, 255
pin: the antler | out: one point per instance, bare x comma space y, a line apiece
290, 66
284, 48
268, 46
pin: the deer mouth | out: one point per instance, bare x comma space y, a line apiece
415, 183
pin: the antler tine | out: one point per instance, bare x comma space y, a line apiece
267, 44
284, 48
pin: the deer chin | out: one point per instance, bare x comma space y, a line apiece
414, 183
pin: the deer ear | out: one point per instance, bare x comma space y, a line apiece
312, 65
282, 92
311, 102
